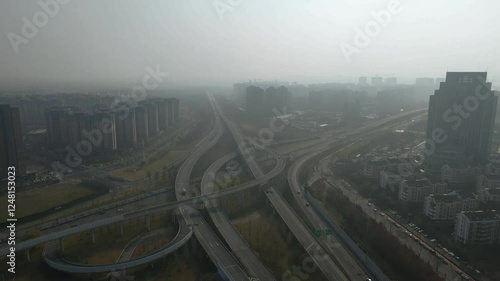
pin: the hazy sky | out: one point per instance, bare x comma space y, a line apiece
95, 42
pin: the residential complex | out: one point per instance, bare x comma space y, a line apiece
447, 206
109, 130
478, 228
417, 190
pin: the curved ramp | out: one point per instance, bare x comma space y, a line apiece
227, 265
237, 244
53, 260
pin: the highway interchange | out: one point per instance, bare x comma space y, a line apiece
347, 267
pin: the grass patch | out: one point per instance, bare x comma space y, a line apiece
108, 242
41, 199
286, 148
274, 244
130, 174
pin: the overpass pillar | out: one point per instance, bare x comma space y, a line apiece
61, 245
148, 222
121, 229
92, 232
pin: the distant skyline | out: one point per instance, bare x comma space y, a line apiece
108, 44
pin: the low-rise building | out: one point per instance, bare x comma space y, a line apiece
373, 168
417, 190
461, 175
488, 187
488, 182
447, 206
391, 180
478, 228
490, 195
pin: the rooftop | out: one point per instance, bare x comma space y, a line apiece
493, 177
482, 215
447, 198
494, 191
419, 182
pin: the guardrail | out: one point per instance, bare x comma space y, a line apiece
67, 266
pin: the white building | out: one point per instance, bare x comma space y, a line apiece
447, 206
488, 187
478, 228
457, 175
417, 190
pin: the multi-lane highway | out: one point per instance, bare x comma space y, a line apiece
222, 258
91, 222
328, 267
237, 244
214, 247
291, 219
351, 267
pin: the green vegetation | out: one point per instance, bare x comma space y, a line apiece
108, 242
276, 246
38, 200
396, 260
134, 173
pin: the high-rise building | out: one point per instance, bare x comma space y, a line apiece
162, 114
177, 115
105, 121
282, 99
141, 117
391, 81
424, 81
126, 134
460, 121
377, 81
255, 99
152, 119
11, 149
58, 126
170, 112
363, 80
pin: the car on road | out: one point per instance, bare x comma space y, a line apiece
307, 204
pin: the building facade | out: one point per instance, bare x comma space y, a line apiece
417, 190
11, 141
463, 109
478, 228
447, 206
